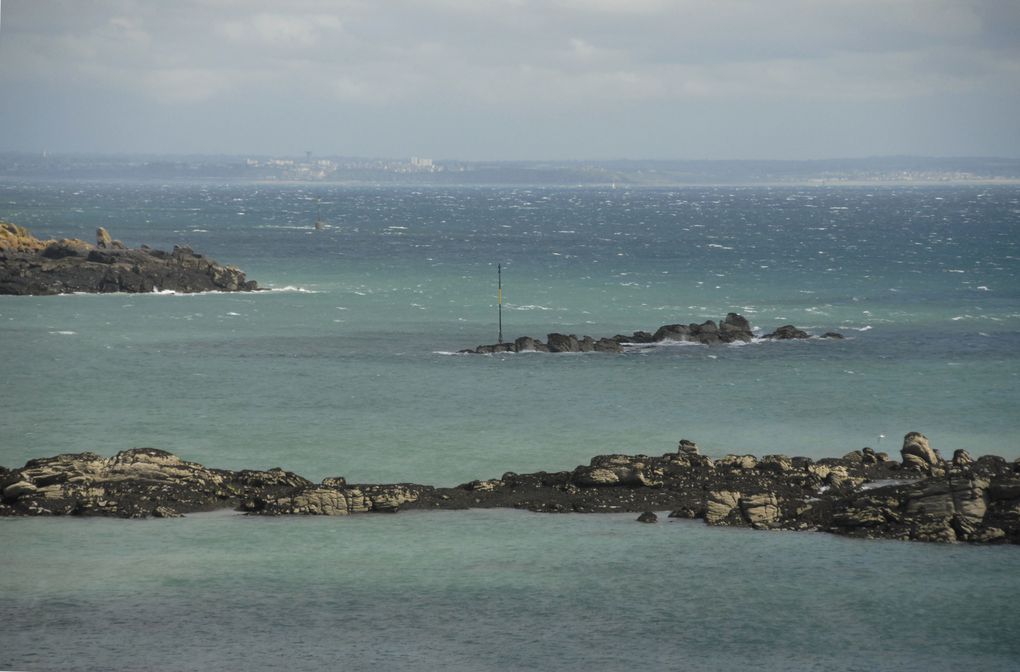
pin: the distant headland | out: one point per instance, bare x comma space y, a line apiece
864, 494
30, 266
448, 171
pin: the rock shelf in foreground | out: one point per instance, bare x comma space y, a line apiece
733, 328
862, 494
30, 266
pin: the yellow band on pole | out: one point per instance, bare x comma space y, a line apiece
501, 296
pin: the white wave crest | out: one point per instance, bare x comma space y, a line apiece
294, 290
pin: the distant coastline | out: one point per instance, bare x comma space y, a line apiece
620, 173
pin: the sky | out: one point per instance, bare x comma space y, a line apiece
512, 79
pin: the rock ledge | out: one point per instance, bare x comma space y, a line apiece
30, 266
862, 494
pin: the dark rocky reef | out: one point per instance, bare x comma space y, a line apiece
733, 328
862, 494
29, 266
135, 483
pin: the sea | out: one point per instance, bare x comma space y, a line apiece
349, 365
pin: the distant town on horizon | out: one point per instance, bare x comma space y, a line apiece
309, 167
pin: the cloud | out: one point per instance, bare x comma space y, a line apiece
566, 52
505, 57
282, 30
184, 85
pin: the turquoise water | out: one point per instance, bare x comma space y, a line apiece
495, 590
347, 368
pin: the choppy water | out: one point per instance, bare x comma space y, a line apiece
345, 369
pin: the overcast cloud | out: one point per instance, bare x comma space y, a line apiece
512, 79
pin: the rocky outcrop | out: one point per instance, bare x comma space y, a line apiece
858, 495
324, 500
135, 483
611, 470
788, 332
40, 267
918, 454
733, 328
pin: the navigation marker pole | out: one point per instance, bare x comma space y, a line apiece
499, 272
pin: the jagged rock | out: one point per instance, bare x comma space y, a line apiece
34, 267
961, 458
964, 496
482, 486
917, 453
760, 510
612, 470
389, 498
165, 512
823, 471
787, 332
735, 328
987, 535
745, 462
648, 517
720, 506
492, 349
607, 345
1004, 489
869, 457
637, 337
833, 334
274, 479
103, 239
334, 482
933, 529
854, 457
59, 249
314, 501
687, 447
19, 488
775, 463
562, 343
16, 239
525, 344
989, 464
672, 332
865, 514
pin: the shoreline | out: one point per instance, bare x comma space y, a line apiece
864, 494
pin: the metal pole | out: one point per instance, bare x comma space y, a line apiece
499, 272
